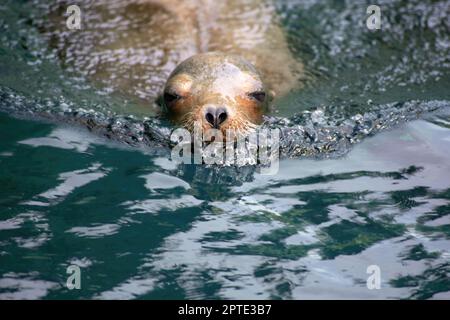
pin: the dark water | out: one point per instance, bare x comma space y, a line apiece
140, 226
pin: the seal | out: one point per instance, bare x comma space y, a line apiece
216, 90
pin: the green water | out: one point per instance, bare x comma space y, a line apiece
142, 227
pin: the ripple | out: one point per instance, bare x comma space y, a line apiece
162, 181
154, 206
71, 181
97, 231
16, 286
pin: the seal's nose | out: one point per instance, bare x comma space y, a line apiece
216, 116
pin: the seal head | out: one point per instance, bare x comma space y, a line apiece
215, 90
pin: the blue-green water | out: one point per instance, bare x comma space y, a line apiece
377, 191
141, 228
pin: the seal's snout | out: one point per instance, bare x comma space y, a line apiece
215, 116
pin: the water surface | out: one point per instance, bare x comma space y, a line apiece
141, 227
358, 185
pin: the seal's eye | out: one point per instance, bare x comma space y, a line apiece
258, 95
170, 97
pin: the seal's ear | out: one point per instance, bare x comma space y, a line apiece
272, 94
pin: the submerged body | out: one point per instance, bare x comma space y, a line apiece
248, 28
131, 47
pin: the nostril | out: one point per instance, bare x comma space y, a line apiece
216, 116
209, 117
221, 115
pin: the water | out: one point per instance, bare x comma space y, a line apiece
140, 226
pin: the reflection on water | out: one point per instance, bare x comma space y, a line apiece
141, 227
